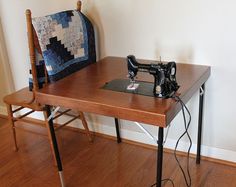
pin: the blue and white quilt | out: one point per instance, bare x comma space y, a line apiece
67, 43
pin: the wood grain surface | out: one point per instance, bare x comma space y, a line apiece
103, 163
82, 91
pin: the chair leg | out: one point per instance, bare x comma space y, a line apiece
84, 122
11, 121
49, 137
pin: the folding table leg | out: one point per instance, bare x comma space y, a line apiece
159, 157
200, 117
55, 146
117, 130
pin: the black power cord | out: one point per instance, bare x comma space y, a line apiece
186, 126
163, 180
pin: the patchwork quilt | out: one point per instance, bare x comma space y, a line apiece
67, 44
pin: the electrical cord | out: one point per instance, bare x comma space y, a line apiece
163, 180
186, 125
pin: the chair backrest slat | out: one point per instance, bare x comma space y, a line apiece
79, 4
31, 49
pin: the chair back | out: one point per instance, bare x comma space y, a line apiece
59, 44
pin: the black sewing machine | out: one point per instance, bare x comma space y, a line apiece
165, 84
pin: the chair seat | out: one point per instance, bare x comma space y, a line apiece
23, 98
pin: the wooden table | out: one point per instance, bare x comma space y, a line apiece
82, 91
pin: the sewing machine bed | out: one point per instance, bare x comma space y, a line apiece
120, 85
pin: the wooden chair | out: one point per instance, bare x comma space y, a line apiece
26, 99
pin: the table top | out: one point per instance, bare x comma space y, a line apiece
82, 91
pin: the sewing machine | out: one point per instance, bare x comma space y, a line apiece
165, 84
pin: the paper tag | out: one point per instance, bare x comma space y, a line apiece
132, 86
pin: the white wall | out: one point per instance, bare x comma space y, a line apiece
196, 32
3, 90
6, 83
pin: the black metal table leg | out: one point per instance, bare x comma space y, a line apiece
159, 157
117, 130
55, 146
200, 117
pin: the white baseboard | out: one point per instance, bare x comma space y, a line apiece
104, 125
207, 151
211, 152
3, 110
